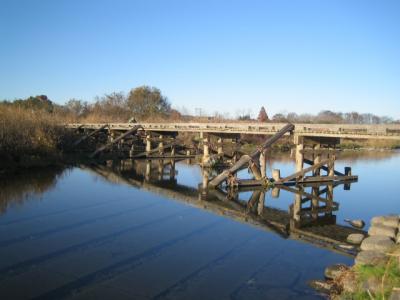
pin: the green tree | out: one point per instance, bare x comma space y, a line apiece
40, 102
145, 101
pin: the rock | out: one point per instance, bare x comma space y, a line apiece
346, 247
355, 238
398, 238
382, 230
389, 221
369, 257
356, 223
395, 295
334, 271
377, 243
321, 286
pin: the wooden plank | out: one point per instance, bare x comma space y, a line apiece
133, 130
310, 162
302, 172
253, 157
89, 135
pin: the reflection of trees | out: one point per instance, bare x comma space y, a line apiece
17, 189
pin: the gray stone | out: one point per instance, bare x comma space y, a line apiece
382, 230
370, 257
355, 238
356, 223
377, 243
389, 221
332, 272
395, 294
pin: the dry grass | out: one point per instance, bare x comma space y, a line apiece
28, 132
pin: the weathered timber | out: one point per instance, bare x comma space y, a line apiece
311, 163
327, 178
246, 159
155, 150
89, 135
132, 131
303, 171
353, 131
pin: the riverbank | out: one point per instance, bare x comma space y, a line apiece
31, 138
376, 270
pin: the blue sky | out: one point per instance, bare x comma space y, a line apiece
225, 56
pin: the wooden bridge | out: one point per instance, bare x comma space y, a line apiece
314, 145
349, 131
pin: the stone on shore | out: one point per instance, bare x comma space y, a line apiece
389, 221
356, 223
355, 238
395, 294
377, 243
379, 229
370, 257
332, 272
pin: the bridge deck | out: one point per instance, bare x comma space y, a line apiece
381, 131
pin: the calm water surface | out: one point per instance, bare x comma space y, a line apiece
101, 233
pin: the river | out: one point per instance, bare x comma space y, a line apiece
117, 231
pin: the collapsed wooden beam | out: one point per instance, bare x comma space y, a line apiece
310, 162
246, 159
303, 171
132, 131
89, 135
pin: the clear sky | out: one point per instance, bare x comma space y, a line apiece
225, 56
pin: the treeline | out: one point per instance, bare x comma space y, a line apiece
147, 103
330, 117
141, 103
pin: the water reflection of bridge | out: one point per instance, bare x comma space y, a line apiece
309, 218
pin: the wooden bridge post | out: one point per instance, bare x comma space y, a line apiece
148, 143
331, 165
220, 149
161, 145
205, 178
299, 142
263, 164
206, 150
317, 159
173, 150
